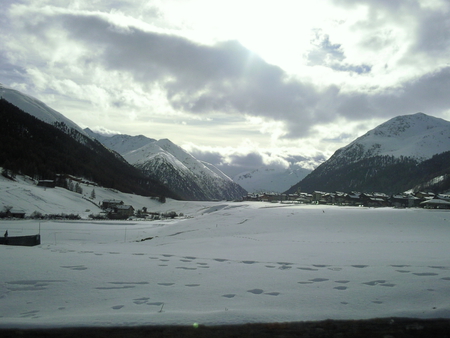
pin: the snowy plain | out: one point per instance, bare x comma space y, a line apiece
220, 263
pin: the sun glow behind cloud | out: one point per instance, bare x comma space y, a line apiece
290, 76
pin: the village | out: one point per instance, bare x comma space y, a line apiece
117, 209
420, 199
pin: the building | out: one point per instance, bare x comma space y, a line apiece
124, 211
110, 204
15, 213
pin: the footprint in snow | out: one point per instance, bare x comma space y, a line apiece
425, 274
272, 293
74, 267
318, 280
375, 282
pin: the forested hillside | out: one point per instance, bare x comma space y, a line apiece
40, 150
382, 174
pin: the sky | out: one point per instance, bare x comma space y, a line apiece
236, 83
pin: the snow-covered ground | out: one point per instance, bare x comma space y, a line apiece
223, 263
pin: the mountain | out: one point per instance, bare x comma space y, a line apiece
40, 150
37, 108
180, 171
271, 178
389, 158
120, 143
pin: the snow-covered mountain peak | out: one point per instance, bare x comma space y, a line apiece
171, 164
418, 136
408, 126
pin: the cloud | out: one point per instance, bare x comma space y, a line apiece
371, 66
197, 79
428, 94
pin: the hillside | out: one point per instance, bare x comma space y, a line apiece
168, 163
40, 150
393, 157
37, 108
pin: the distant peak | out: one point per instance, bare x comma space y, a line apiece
165, 141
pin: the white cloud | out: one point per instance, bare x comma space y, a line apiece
290, 76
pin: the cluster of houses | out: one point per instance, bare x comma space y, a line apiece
418, 199
117, 209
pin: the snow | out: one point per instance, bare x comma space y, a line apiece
163, 157
36, 108
121, 143
418, 136
221, 263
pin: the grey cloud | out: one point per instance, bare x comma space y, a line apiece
331, 55
428, 27
9, 71
433, 35
428, 94
230, 165
324, 50
227, 77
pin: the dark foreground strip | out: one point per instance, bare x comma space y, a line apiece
372, 328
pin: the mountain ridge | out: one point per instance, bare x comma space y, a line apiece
176, 168
40, 150
383, 159
37, 108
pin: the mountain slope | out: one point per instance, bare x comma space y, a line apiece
36, 108
180, 171
120, 142
385, 159
416, 136
40, 150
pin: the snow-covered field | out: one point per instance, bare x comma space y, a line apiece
225, 262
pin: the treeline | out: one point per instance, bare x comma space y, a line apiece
387, 174
32, 147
